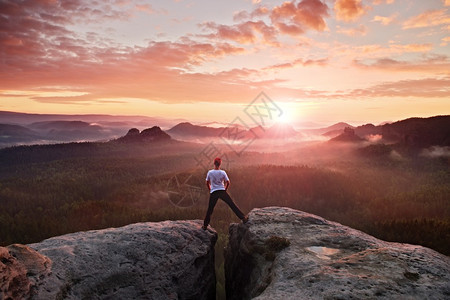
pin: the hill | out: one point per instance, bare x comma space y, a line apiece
186, 129
15, 134
70, 130
419, 132
330, 130
57, 128
28, 118
412, 133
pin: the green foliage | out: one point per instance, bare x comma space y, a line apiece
46, 192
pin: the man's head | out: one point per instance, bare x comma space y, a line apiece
217, 162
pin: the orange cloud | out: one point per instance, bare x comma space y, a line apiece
423, 88
297, 62
294, 19
349, 10
428, 19
436, 65
378, 2
288, 18
244, 15
39, 51
445, 41
153, 71
244, 33
385, 20
360, 30
376, 51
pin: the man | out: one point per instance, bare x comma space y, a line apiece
218, 182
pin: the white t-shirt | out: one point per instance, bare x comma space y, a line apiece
217, 179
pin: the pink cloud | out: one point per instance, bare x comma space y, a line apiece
147, 8
35, 31
375, 51
244, 33
38, 50
445, 41
244, 15
135, 72
360, 30
428, 19
423, 88
385, 20
289, 18
378, 2
298, 62
436, 65
294, 19
349, 10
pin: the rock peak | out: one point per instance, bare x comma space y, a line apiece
164, 260
314, 258
152, 134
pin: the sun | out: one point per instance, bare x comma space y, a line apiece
285, 117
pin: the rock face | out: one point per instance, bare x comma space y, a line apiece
282, 253
348, 136
21, 268
165, 260
154, 134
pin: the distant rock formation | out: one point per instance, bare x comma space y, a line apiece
153, 134
282, 253
165, 260
348, 136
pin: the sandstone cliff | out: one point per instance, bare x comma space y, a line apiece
282, 253
165, 260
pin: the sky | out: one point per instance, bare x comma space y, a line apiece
326, 61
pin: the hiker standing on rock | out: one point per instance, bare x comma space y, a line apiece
218, 182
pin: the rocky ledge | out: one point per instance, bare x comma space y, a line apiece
165, 260
283, 253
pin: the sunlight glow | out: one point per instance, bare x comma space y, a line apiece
285, 117
56, 93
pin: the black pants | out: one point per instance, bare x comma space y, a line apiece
213, 197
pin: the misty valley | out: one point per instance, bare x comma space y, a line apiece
395, 187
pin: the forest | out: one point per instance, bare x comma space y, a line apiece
47, 191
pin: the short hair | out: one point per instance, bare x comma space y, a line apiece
217, 161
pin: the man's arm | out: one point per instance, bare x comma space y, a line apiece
227, 184
208, 185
